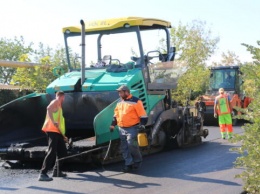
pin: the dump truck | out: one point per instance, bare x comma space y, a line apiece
101, 56
229, 78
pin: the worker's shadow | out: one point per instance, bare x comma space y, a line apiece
183, 164
110, 179
192, 163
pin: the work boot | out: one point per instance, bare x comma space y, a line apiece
137, 165
127, 168
230, 135
44, 177
223, 135
60, 174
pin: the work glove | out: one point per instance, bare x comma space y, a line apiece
112, 128
215, 115
65, 139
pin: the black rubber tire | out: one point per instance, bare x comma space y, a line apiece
171, 143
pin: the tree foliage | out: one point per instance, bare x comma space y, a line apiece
250, 139
193, 42
12, 50
33, 78
194, 45
228, 59
39, 77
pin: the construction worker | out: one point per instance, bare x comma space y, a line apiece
54, 127
222, 109
129, 115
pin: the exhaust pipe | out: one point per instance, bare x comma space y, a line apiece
82, 52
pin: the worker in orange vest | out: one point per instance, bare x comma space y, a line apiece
54, 127
222, 109
129, 115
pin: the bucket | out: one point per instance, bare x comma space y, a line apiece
142, 139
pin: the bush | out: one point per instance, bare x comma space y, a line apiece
250, 139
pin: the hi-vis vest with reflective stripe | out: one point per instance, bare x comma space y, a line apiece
48, 125
129, 111
222, 105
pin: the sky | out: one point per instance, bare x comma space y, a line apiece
233, 21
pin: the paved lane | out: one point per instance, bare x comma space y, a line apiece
203, 169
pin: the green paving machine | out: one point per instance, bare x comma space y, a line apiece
101, 56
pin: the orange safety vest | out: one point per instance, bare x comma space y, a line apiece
223, 104
129, 111
48, 125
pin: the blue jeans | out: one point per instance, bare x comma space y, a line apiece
129, 145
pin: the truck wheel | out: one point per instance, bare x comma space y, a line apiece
170, 141
162, 138
170, 135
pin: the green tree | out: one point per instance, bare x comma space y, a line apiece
250, 139
39, 77
194, 45
228, 59
12, 50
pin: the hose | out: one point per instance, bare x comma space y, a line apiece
108, 149
75, 155
88, 151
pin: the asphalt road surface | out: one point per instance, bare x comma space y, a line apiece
204, 169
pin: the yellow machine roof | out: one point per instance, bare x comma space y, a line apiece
109, 24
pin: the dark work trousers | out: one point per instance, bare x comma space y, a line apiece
129, 145
56, 149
